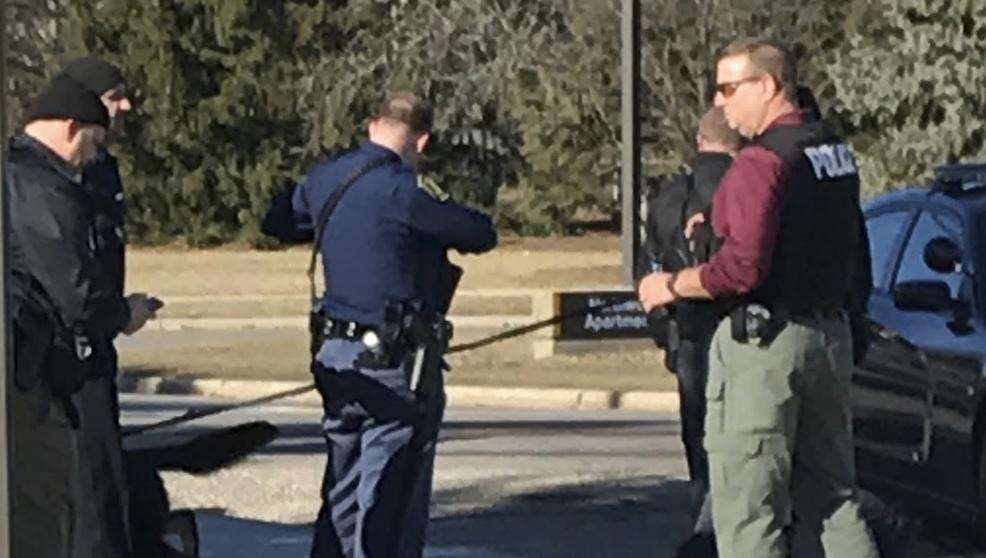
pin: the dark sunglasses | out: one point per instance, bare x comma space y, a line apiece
728, 88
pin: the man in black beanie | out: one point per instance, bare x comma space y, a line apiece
102, 176
62, 301
104, 188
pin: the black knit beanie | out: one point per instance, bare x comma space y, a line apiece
66, 98
95, 73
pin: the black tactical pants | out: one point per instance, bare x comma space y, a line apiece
106, 478
693, 371
67, 482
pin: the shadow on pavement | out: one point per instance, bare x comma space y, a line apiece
223, 536
305, 438
641, 518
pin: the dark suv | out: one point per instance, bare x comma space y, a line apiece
918, 397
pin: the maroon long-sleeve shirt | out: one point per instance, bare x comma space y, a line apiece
746, 213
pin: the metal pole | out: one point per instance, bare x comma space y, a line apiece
5, 361
630, 167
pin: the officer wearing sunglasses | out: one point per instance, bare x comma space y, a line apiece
777, 428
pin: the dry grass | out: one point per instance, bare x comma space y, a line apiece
291, 305
239, 283
517, 263
285, 358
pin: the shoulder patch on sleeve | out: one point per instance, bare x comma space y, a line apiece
432, 188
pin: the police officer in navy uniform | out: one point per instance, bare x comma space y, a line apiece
384, 253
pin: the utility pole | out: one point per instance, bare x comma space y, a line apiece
630, 167
5, 331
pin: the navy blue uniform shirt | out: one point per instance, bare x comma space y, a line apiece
387, 239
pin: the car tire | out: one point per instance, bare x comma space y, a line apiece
893, 531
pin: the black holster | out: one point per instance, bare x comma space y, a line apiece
755, 322
394, 339
48, 354
318, 319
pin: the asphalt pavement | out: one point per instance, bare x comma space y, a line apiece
510, 483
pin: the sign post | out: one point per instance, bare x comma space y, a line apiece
5, 330
630, 165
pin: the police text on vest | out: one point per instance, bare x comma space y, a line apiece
831, 161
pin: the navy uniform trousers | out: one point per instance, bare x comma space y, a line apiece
377, 484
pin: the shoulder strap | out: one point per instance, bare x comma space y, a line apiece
690, 182
329, 207
789, 140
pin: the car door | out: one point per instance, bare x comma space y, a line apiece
891, 386
949, 405
953, 343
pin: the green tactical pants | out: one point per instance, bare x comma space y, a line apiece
778, 435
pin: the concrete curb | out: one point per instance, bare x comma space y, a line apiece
301, 295
462, 396
296, 322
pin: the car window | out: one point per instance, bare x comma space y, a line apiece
930, 225
884, 230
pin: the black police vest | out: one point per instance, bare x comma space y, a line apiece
815, 251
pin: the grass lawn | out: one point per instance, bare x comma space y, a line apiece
508, 364
517, 263
240, 283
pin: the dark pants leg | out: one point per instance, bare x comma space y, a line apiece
370, 457
692, 372
104, 479
44, 469
336, 521
362, 491
415, 534
69, 492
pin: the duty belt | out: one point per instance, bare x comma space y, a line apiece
345, 329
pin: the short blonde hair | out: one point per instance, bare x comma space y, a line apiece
770, 58
715, 128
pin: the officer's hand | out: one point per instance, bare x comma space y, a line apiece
653, 291
141, 310
693, 222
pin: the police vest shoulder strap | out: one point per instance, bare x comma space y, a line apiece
690, 181
329, 207
784, 140
789, 140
